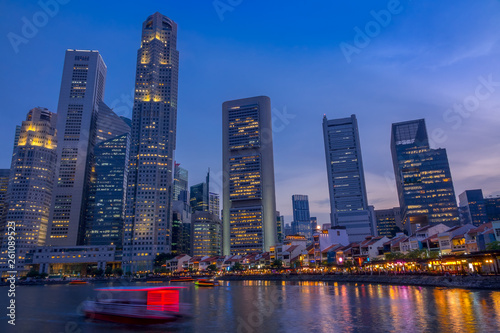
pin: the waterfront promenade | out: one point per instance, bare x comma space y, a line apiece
457, 281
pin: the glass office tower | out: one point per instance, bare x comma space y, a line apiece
301, 224
423, 178
106, 206
249, 203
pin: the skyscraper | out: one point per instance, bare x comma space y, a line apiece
280, 225
346, 178
31, 183
214, 204
206, 234
180, 191
106, 203
82, 92
472, 207
84, 120
314, 224
301, 223
388, 221
4, 183
249, 203
200, 196
154, 118
423, 178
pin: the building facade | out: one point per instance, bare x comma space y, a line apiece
31, 185
346, 179
200, 196
82, 92
181, 189
206, 234
423, 178
4, 183
472, 208
154, 118
301, 224
106, 203
388, 221
214, 204
249, 203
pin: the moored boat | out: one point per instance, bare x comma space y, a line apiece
73, 282
137, 305
206, 283
183, 279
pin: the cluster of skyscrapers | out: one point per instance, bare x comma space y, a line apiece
84, 177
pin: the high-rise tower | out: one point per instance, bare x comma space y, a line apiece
249, 203
31, 183
301, 224
346, 178
423, 178
149, 194
81, 94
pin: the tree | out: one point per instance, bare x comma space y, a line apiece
108, 270
237, 267
278, 263
212, 267
97, 272
394, 255
493, 246
43, 275
118, 271
162, 258
32, 273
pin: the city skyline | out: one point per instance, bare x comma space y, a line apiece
468, 56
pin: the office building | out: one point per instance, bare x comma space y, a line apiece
280, 225
200, 196
492, 208
314, 224
301, 224
214, 204
80, 98
472, 208
154, 118
206, 234
31, 185
388, 221
423, 178
106, 203
181, 234
4, 183
180, 191
346, 179
249, 203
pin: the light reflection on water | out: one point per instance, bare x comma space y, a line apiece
269, 306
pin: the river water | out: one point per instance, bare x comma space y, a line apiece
262, 306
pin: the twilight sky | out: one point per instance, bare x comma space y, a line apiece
438, 60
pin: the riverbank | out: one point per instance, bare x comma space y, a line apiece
460, 281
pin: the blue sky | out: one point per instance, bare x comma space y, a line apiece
427, 57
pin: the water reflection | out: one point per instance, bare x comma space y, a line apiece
275, 306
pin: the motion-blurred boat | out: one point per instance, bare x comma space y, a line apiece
137, 305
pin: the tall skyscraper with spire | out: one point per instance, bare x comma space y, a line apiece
149, 194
